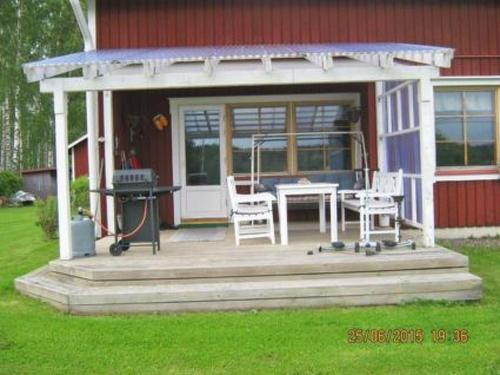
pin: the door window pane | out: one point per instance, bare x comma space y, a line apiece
202, 135
248, 121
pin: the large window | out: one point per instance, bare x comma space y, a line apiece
321, 152
465, 128
291, 154
247, 121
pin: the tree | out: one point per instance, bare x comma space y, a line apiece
32, 30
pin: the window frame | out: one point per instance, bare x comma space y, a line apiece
496, 119
290, 127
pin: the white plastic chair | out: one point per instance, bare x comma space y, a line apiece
379, 200
247, 210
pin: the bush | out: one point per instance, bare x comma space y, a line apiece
46, 212
80, 193
9, 183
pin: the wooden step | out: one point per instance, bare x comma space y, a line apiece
260, 264
304, 292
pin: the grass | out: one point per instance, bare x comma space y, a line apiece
34, 338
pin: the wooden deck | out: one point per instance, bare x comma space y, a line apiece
206, 276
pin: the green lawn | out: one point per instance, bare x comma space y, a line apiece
34, 338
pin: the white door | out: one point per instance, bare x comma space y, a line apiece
203, 167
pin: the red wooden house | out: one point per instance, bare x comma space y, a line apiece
425, 77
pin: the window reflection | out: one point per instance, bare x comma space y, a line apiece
202, 136
247, 121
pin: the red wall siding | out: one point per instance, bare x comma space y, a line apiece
469, 26
467, 203
81, 159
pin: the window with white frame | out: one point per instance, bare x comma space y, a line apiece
466, 127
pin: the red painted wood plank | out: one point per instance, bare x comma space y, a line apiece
497, 201
443, 203
480, 203
489, 195
461, 206
453, 202
471, 203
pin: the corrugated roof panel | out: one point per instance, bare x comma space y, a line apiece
381, 54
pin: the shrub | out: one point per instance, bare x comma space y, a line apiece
46, 212
80, 193
9, 183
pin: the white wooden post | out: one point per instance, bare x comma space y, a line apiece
427, 158
93, 156
93, 126
381, 107
108, 155
73, 174
63, 193
176, 159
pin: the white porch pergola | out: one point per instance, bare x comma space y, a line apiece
106, 71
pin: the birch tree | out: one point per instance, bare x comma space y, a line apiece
32, 30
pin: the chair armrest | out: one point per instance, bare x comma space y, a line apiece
255, 198
345, 192
372, 194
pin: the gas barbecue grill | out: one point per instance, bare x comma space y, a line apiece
135, 193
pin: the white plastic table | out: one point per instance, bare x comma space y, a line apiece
322, 190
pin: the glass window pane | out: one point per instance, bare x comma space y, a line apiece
339, 159
241, 162
448, 103
480, 129
450, 154
202, 147
311, 118
310, 160
311, 141
248, 121
481, 153
317, 153
273, 161
343, 141
449, 129
479, 102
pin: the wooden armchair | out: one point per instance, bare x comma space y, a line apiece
249, 209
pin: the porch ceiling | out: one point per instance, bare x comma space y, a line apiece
322, 57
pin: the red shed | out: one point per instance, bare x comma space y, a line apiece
78, 151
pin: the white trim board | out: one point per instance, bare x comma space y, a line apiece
466, 81
242, 99
239, 75
468, 177
79, 140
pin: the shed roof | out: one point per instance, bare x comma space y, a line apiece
156, 60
